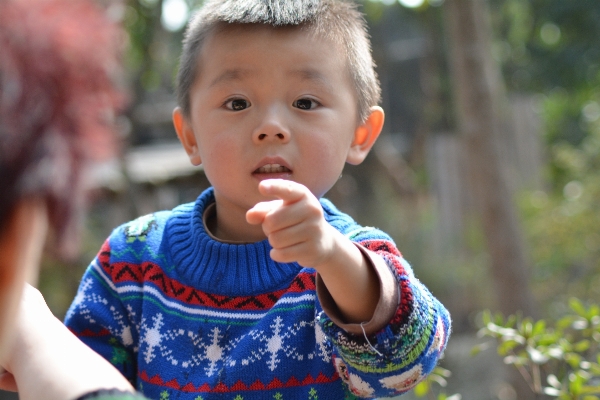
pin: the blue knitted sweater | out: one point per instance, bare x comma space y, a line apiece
184, 316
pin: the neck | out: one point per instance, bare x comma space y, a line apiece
231, 226
221, 266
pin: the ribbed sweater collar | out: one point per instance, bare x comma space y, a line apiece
221, 268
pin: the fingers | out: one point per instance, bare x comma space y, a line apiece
288, 191
256, 215
308, 245
289, 254
292, 235
294, 224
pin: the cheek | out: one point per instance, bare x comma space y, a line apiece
324, 164
329, 149
220, 157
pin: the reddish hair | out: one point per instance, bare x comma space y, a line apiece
58, 64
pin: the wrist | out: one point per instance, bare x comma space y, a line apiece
351, 281
338, 253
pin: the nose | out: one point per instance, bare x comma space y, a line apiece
272, 128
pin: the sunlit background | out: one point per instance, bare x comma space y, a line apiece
544, 58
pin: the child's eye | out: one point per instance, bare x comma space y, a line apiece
305, 104
237, 104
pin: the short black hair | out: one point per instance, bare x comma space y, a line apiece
337, 20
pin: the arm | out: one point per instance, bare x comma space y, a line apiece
390, 350
392, 359
49, 362
298, 232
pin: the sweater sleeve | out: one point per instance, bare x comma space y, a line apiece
390, 360
101, 320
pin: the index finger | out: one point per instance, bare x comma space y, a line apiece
288, 191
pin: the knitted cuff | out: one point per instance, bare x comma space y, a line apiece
389, 297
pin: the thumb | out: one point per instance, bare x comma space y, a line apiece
256, 215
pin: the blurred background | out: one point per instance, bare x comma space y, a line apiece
486, 175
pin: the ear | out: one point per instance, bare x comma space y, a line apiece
365, 136
186, 136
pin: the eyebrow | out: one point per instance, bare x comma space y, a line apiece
314, 76
304, 74
234, 74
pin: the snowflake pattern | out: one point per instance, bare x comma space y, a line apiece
153, 340
80, 298
323, 345
211, 348
274, 344
120, 327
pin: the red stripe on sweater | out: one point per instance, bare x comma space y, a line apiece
239, 385
149, 272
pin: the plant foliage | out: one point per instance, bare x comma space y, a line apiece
559, 359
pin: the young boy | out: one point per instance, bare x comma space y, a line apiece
261, 289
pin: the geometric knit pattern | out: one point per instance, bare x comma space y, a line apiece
184, 316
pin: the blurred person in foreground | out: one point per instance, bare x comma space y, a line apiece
58, 60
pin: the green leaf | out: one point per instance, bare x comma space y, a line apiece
577, 306
547, 340
498, 319
505, 347
582, 346
526, 328
590, 390
479, 348
422, 389
593, 314
486, 317
573, 359
539, 327
576, 382
511, 321
565, 322
594, 369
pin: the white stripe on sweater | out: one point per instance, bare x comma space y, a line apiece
147, 289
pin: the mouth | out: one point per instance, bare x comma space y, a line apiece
272, 169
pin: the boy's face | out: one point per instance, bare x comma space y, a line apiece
267, 104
